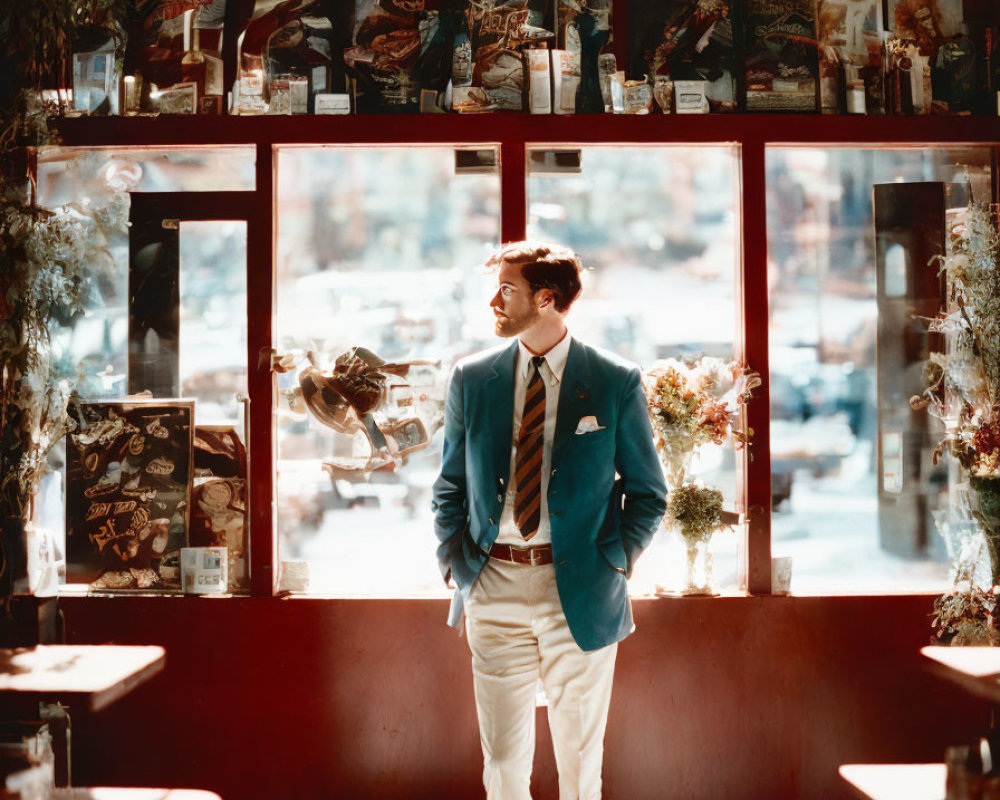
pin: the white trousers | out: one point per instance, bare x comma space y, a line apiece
517, 631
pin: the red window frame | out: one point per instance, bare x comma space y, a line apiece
515, 133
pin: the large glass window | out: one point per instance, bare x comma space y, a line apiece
854, 488
657, 226
379, 248
165, 306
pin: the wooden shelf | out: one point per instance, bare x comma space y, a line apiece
896, 781
975, 669
122, 793
497, 128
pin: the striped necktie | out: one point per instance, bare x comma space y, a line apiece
528, 459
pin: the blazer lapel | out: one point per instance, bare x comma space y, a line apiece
574, 397
498, 397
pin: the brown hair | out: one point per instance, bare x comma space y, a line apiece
544, 265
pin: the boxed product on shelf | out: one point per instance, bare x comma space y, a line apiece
174, 42
97, 70
567, 22
779, 55
938, 29
498, 33
293, 46
850, 37
687, 40
382, 62
929, 23
444, 46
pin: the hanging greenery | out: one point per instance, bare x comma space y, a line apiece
36, 46
44, 254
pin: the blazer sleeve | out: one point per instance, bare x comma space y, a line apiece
450, 499
644, 491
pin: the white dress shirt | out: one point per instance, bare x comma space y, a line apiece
552, 372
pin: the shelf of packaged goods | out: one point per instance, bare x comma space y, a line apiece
896, 781
487, 128
975, 669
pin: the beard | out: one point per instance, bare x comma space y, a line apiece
507, 326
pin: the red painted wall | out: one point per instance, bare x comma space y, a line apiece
714, 698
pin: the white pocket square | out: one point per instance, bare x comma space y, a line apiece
588, 425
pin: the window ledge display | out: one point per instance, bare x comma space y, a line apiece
773, 128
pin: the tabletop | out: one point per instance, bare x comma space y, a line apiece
92, 676
975, 669
896, 781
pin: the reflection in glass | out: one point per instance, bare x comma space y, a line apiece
826, 367
69, 174
657, 225
213, 318
379, 248
209, 265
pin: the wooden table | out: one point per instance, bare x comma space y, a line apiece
89, 677
896, 781
975, 669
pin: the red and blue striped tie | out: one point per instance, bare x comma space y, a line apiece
528, 459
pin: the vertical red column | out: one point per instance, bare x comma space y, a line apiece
513, 191
260, 320
756, 458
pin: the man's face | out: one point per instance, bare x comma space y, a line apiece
513, 304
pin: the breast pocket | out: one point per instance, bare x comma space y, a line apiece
602, 436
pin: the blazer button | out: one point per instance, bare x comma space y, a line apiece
499, 498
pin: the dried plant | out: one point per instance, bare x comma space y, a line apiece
966, 618
963, 391
49, 259
696, 511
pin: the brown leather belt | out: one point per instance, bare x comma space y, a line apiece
535, 556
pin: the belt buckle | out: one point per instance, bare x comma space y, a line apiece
532, 552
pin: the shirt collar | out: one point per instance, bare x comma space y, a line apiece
555, 358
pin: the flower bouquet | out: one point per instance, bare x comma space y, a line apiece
693, 404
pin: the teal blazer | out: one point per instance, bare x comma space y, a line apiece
600, 521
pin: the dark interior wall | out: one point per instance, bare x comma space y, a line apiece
291, 698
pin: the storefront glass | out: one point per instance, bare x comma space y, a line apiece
379, 248
658, 228
855, 492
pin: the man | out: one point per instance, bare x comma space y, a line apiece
535, 530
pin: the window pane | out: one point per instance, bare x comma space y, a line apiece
854, 489
658, 226
204, 262
67, 174
213, 327
380, 248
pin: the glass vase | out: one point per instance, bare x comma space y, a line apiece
699, 578
677, 464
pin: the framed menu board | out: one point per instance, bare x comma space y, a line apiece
128, 493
